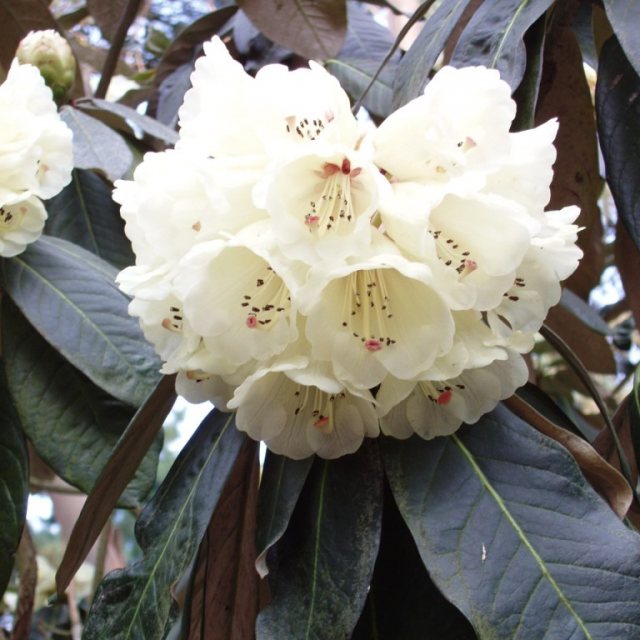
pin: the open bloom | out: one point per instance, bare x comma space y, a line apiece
327, 281
35, 156
300, 409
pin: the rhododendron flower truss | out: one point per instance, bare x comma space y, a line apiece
326, 279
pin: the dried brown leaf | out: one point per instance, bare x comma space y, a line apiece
225, 593
310, 28
602, 476
564, 93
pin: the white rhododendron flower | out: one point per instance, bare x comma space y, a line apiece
36, 156
330, 281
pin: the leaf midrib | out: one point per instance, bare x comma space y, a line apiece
521, 534
79, 311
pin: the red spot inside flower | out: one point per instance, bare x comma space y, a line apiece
470, 143
311, 219
373, 345
252, 321
346, 167
472, 265
321, 422
329, 169
356, 172
445, 397
328, 116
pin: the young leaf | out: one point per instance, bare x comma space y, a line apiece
312, 29
591, 347
366, 45
84, 213
14, 482
73, 424
69, 295
494, 37
513, 535
96, 146
107, 15
17, 19
324, 562
280, 486
403, 602
136, 602
414, 68
116, 474
565, 94
224, 593
618, 110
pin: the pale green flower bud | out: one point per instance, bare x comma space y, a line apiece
51, 53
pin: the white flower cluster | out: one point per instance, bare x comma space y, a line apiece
36, 156
331, 281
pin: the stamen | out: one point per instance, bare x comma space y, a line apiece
452, 254
367, 309
268, 298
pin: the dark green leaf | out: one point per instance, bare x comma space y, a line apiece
84, 213
526, 95
624, 16
14, 482
96, 146
136, 602
403, 602
311, 28
126, 119
171, 94
414, 68
582, 27
366, 45
494, 37
280, 486
73, 424
546, 406
513, 535
584, 312
323, 564
618, 111
69, 295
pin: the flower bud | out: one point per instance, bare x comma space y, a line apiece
51, 53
